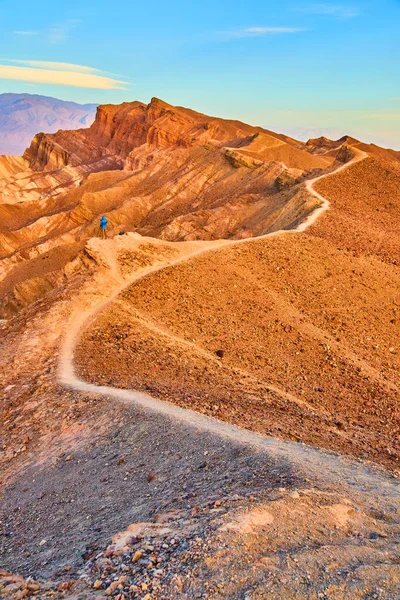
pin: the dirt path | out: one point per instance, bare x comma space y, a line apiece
360, 155
325, 467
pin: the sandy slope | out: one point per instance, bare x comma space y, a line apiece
68, 376
346, 511
306, 380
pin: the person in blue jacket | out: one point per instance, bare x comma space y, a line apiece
103, 227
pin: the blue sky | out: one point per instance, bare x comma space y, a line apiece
294, 66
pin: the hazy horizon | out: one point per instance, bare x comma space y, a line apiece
302, 133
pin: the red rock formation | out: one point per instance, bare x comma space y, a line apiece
119, 130
160, 170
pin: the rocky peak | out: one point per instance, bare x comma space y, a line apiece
116, 131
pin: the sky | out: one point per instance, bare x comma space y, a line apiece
298, 67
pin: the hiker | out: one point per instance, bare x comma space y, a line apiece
103, 227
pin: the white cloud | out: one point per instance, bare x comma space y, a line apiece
334, 10
55, 34
261, 31
65, 74
59, 66
31, 32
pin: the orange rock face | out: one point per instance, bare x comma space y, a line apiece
119, 130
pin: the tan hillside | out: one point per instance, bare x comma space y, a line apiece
308, 325
10, 165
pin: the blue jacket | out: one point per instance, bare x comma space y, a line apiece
103, 222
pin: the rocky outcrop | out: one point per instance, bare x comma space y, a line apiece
46, 153
345, 154
241, 160
287, 179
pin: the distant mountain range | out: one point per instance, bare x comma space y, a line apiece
24, 115
333, 133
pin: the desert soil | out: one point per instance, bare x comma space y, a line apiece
79, 470
261, 334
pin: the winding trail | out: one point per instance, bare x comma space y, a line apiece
322, 467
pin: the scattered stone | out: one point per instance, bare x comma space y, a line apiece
137, 556
65, 585
111, 588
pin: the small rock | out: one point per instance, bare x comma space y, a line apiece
137, 556
111, 588
65, 585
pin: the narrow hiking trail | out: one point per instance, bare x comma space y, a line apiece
322, 467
